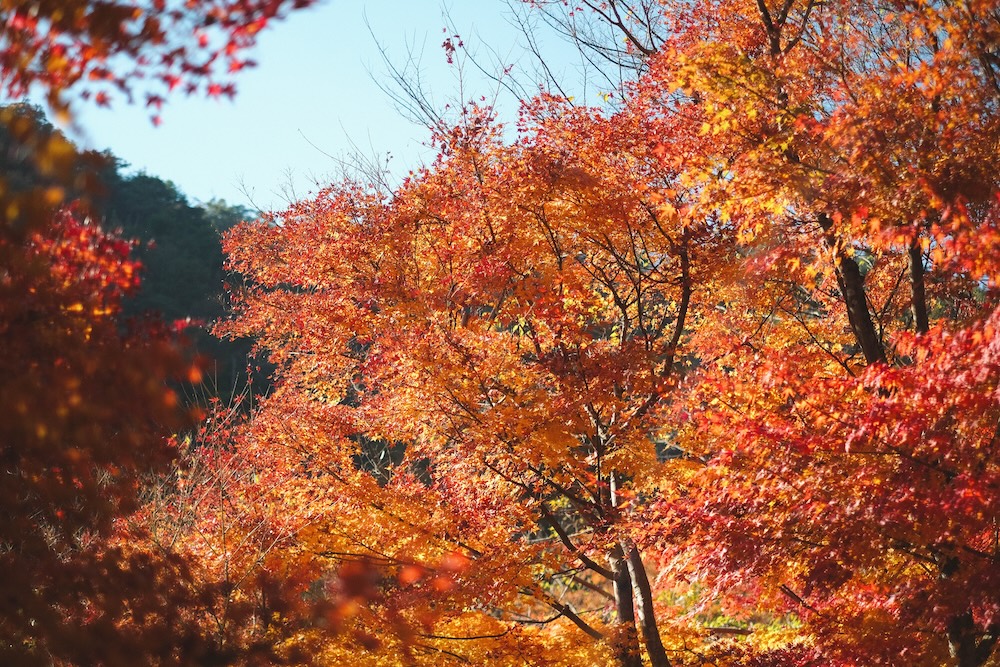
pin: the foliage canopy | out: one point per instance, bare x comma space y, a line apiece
735, 333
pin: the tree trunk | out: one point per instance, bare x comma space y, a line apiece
627, 643
852, 287
644, 607
918, 298
969, 648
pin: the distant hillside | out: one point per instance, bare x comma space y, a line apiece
178, 243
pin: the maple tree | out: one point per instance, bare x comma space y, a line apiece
71, 462
508, 352
737, 333
849, 377
247, 589
86, 401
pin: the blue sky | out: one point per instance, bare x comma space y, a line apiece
313, 94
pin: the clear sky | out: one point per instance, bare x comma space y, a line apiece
313, 94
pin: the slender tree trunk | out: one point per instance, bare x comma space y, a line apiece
918, 298
852, 287
627, 649
644, 607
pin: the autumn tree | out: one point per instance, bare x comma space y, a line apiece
215, 512
71, 462
511, 318
844, 403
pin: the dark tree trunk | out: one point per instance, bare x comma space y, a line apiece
918, 298
852, 288
969, 648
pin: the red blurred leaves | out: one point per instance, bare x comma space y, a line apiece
85, 416
70, 46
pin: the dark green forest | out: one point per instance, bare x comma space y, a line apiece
177, 241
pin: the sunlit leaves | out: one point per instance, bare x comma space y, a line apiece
485, 350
